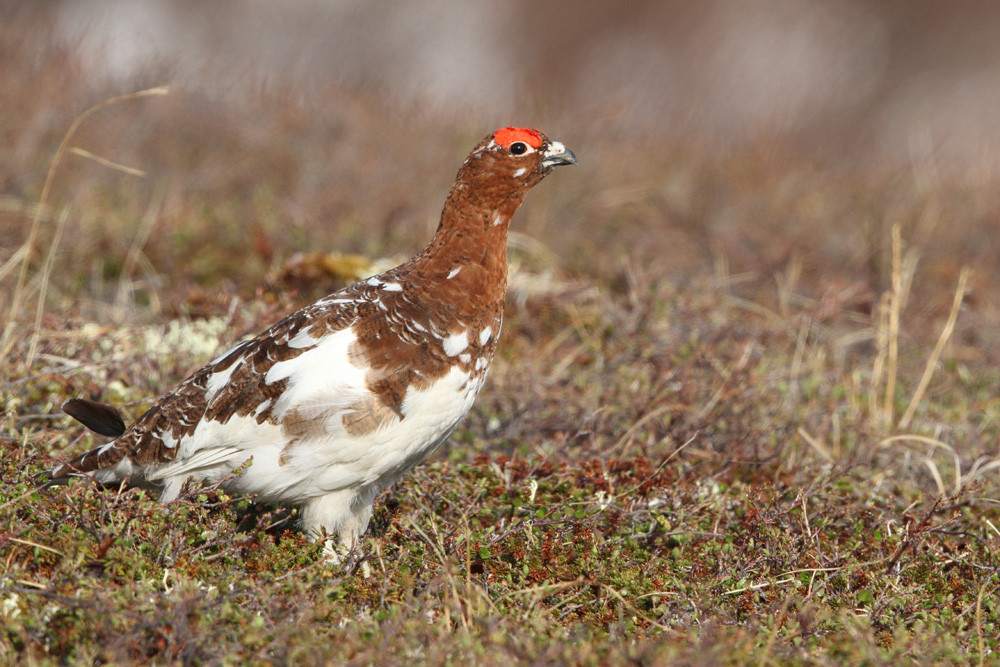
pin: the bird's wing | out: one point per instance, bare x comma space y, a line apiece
238, 383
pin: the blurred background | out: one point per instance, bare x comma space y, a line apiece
878, 80
714, 137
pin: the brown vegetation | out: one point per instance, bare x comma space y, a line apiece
744, 406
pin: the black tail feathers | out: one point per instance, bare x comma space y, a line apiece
100, 418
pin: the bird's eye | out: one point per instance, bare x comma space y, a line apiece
518, 148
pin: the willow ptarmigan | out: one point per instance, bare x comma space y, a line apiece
338, 400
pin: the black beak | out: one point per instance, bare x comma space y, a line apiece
557, 155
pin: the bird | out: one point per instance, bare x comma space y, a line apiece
337, 401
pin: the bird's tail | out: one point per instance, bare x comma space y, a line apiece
100, 418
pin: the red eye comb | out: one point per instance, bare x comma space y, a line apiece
509, 135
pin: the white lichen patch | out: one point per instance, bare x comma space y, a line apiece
11, 607
116, 392
197, 339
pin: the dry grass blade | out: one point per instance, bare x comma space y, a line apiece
44, 288
892, 339
13, 262
765, 658
724, 386
132, 259
979, 625
936, 474
132, 171
942, 340
818, 446
627, 603
29, 244
978, 470
878, 366
540, 588
885, 442
29, 543
629, 436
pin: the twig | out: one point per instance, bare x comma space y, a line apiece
754, 587
918, 532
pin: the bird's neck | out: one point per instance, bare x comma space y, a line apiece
468, 254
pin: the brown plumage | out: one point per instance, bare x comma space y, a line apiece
341, 398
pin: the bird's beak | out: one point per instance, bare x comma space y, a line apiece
557, 154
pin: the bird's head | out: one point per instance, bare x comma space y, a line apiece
509, 162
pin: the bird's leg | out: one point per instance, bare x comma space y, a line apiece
337, 513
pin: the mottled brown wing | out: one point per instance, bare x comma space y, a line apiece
154, 437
